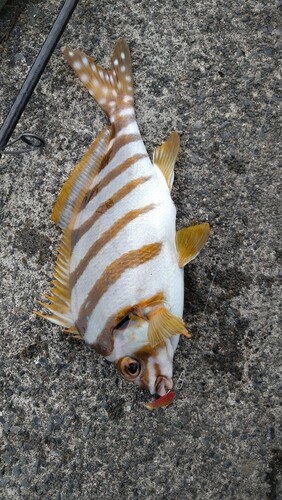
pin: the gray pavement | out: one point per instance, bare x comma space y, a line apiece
71, 428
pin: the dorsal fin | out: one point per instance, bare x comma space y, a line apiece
113, 88
190, 241
165, 156
80, 179
163, 325
64, 214
59, 295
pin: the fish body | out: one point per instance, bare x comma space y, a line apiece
119, 280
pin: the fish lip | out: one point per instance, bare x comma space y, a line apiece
163, 385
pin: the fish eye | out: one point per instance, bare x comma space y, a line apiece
130, 368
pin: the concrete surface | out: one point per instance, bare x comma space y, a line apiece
71, 428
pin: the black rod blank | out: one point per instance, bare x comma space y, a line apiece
35, 72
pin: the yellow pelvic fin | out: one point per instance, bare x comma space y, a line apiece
165, 157
112, 88
163, 325
59, 295
80, 179
190, 241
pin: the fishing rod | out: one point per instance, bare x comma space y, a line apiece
19, 105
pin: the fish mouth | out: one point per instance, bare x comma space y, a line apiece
163, 385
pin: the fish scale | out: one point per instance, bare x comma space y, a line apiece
119, 281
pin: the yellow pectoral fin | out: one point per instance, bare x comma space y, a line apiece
190, 241
163, 325
165, 156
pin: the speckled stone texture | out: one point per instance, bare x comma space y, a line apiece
71, 428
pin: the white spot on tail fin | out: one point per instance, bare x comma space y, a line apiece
127, 98
126, 112
84, 77
77, 65
112, 88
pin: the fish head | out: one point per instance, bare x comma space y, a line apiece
148, 367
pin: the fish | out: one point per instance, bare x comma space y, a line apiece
118, 280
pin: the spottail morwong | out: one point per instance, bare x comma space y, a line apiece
118, 280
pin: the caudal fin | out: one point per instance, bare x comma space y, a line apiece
113, 88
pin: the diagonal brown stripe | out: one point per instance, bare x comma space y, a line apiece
104, 342
123, 140
105, 238
121, 193
114, 173
118, 143
121, 122
112, 273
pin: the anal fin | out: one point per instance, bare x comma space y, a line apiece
190, 241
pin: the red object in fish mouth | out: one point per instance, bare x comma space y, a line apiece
165, 400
